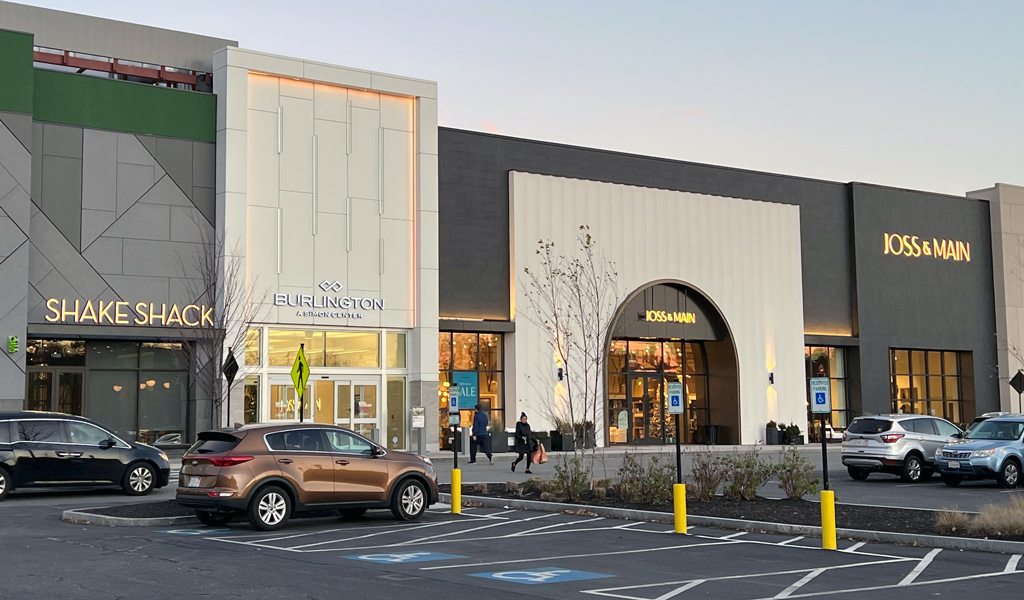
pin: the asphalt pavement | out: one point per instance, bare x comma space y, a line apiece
492, 553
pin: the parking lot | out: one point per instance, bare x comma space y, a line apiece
488, 552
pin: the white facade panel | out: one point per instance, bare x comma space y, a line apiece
744, 255
364, 159
297, 144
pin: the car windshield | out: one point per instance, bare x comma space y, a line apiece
997, 430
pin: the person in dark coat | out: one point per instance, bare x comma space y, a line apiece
524, 443
478, 436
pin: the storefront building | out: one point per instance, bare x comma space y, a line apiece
167, 198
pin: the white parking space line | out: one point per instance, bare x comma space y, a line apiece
373, 534
680, 590
927, 560
610, 591
853, 549
1011, 565
531, 531
568, 556
733, 535
472, 529
877, 588
787, 542
786, 593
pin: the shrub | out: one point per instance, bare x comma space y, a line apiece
513, 487
952, 522
645, 482
999, 519
794, 473
533, 484
707, 472
548, 497
600, 492
480, 488
747, 473
792, 433
571, 478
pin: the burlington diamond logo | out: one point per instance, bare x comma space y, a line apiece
327, 285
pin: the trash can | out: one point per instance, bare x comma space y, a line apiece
711, 434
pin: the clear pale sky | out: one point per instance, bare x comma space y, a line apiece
916, 94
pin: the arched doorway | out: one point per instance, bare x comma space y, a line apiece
671, 332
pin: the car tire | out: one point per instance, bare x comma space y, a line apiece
139, 479
213, 519
858, 474
6, 483
351, 513
409, 501
952, 480
913, 469
1009, 474
270, 508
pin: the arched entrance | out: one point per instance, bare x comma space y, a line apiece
671, 332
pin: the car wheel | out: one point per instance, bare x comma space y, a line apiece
5, 483
912, 469
352, 513
858, 474
952, 480
1009, 475
213, 519
410, 500
269, 509
139, 479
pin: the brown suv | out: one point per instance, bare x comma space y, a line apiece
270, 472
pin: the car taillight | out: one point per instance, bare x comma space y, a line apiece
891, 438
229, 461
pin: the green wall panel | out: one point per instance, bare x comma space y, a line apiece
99, 103
15, 71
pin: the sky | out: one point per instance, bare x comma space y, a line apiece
914, 94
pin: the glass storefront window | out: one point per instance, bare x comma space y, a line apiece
252, 399
113, 400
444, 351
113, 355
252, 347
161, 356
283, 347
935, 384
617, 357
283, 402
673, 357
162, 407
464, 349
644, 355
396, 350
55, 353
352, 349
396, 412
479, 353
830, 362
490, 352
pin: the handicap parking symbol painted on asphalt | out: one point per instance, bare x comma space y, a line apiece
197, 531
543, 575
403, 557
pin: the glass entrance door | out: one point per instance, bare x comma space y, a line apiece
358, 407
57, 390
647, 406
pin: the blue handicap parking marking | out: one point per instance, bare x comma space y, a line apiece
196, 531
542, 575
403, 557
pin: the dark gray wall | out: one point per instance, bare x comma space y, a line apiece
922, 302
474, 217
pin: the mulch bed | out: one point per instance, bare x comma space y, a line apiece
794, 512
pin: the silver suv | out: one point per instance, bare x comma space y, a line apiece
904, 445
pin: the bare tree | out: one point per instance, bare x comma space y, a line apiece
573, 299
214, 276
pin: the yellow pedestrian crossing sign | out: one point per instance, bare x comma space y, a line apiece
300, 372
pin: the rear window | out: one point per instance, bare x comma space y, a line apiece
5, 432
39, 430
869, 426
214, 442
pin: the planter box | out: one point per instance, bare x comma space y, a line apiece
561, 442
772, 437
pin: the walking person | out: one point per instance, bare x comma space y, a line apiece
524, 443
478, 436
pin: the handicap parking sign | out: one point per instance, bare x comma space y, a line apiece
542, 575
403, 557
821, 395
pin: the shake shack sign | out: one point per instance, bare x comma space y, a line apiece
330, 304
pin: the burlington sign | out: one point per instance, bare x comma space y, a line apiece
328, 301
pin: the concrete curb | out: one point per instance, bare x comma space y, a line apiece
81, 517
883, 537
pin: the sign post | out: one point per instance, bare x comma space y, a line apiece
419, 420
676, 408
821, 404
453, 422
300, 375
1017, 383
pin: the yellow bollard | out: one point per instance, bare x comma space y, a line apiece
828, 520
679, 497
456, 492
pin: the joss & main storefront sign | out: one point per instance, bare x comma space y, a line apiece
914, 246
102, 312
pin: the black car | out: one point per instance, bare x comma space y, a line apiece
53, 449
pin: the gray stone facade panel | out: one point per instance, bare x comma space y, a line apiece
99, 170
20, 125
62, 140
105, 256
61, 198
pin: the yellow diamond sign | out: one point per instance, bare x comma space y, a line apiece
300, 372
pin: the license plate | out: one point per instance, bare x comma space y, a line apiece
954, 464
860, 442
193, 482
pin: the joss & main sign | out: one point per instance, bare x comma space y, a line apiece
101, 312
344, 307
916, 247
667, 316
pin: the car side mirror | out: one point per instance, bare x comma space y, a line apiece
107, 444
378, 451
